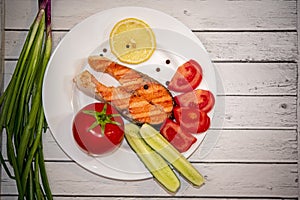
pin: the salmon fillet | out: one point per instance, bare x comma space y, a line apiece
139, 98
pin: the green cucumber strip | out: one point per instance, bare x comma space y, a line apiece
157, 142
156, 165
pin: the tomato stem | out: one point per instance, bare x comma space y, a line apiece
102, 118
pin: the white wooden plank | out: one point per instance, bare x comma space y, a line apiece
233, 46
245, 46
273, 146
241, 78
2, 64
255, 146
137, 198
14, 41
257, 78
298, 93
232, 180
2, 46
225, 145
198, 15
255, 112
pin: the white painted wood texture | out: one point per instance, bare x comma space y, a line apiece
198, 15
298, 95
253, 45
222, 46
2, 45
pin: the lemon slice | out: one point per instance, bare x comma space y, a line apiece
132, 41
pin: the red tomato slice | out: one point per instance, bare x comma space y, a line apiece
191, 119
98, 128
201, 99
187, 77
180, 139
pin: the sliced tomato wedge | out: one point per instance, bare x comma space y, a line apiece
201, 99
179, 138
187, 77
192, 119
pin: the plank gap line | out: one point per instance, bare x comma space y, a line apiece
225, 61
193, 30
244, 30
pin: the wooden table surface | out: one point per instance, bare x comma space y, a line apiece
254, 47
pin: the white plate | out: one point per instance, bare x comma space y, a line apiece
62, 100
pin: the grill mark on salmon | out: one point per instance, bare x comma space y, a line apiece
139, 98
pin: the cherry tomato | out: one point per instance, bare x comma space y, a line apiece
192, 120
98, 128
180, 139
187, 77
201, 99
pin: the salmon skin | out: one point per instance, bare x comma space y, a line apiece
139, 98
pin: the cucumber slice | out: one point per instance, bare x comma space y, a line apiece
156, 165
157, 142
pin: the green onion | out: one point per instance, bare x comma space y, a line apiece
22, 116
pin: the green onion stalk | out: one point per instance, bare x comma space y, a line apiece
22, 116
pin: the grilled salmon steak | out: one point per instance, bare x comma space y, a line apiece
139, 98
